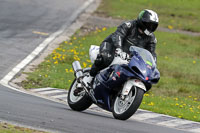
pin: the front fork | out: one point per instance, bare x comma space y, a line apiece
129, 84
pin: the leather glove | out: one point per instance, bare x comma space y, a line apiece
118, 51
122, 54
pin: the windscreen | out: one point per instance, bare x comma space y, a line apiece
146, 55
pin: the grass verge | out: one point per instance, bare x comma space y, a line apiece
177, 14
177, 93
7, 128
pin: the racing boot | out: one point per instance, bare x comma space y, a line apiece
87, 80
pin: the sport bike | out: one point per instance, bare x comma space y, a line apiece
119, 88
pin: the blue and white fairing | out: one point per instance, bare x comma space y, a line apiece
141, 66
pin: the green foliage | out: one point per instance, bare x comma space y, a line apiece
177, 14
182, 107
56, 71
7, 128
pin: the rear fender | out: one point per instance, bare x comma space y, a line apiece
132, 82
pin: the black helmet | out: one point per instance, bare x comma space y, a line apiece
148, 21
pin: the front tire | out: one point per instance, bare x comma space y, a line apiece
78, 103
125, 108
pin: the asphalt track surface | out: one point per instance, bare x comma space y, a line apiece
24, 24
38, 112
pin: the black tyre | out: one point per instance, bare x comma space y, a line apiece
124, 109
78, 103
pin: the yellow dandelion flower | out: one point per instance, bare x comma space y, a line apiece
66, 70
88, 61
176, 99
151, 104
71, 70
181, 106
104, 29
194, 62
74, 38
71, 50
170, 27
146, 95
56, 62
195, 99
54, 57
84, 64
76, 53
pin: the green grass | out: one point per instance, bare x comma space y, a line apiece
7, 128
178, 62
181, 107
57, 71
177, 14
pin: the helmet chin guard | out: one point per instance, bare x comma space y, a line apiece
147, 32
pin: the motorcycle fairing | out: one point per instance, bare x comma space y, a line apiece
107, 80
144, 69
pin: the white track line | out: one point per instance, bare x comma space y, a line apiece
144, 116
6, 79
41, 89
60, 96
174, 123
51, 92
195, 130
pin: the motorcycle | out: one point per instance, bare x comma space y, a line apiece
119, 88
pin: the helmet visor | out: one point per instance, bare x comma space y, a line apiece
151, 26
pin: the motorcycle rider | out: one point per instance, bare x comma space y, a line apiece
137, 32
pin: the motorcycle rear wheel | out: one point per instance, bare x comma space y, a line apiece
124, 109
78, 103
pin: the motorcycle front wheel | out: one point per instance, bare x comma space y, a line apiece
78, 103
126, 107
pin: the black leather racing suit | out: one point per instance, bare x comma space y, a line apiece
126, 35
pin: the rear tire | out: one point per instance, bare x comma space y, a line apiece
124, 109
78, 103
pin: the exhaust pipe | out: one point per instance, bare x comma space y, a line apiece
78, 71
